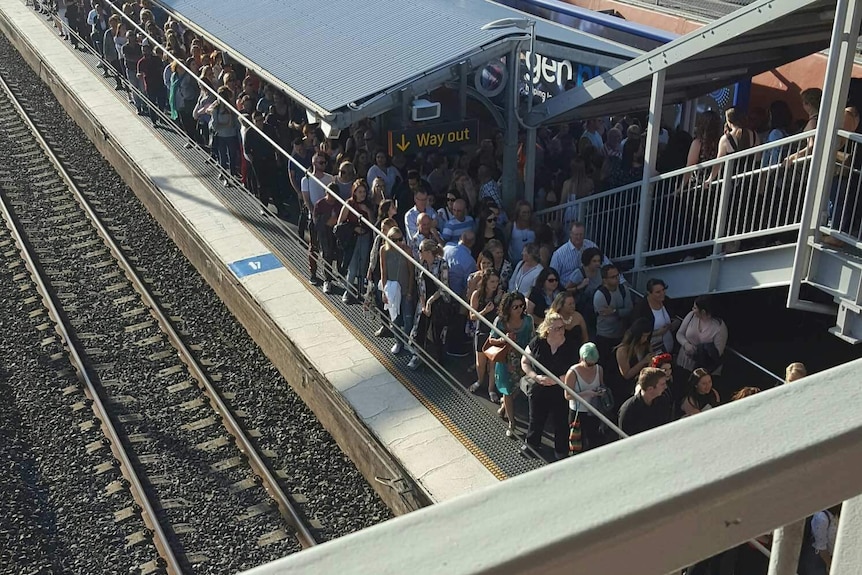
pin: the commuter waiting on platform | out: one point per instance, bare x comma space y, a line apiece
527, 270
500, 261
612, 305
642, 412
542, 295
325, 216
151, 73
485, 300
701, 395
553, 350
702, 337
458, 223
224, 128
357, 245
567, 258
373, 296
576, 327
520, 232
433, 309
795, 371
420, 206
398, 285
313, 192
588, 279
632, 355
518, 326
653, 308
586, 378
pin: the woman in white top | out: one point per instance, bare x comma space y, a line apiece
653, 309
528, 269
520, 231
701, 328
382, 169
587, 379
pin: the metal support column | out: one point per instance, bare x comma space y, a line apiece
650, 157
786, 544
464, 70
848, 552
510, 144
530, 144
842, 50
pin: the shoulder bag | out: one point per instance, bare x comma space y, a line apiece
496, 353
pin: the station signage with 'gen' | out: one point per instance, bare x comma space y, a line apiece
451, 135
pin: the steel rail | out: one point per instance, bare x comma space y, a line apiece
244, 443
136, 488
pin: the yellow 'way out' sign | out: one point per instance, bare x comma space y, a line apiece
451, 135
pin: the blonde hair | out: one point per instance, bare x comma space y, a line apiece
545, 326
794, 371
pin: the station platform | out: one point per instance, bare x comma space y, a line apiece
417, 437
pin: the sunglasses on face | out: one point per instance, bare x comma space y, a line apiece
491, 220
517, 306
450, 199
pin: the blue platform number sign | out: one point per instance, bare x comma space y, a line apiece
254, 265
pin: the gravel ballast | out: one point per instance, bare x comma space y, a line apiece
337, 495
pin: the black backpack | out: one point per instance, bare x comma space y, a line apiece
607, 293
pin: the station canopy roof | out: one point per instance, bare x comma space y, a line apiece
345, 60
754, 39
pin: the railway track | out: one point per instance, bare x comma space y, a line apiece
197, 477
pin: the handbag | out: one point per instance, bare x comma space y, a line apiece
706, 355
604, 402
495, 353
575, 444
344, 234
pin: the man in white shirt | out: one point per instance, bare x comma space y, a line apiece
420, 205
312, 192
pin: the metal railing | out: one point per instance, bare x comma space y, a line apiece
704, 495
844, 211
744, 195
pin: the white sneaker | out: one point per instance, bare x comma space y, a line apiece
396, 349
414, 362
474, 387
327, 287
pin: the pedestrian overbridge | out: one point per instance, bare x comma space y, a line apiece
752, 219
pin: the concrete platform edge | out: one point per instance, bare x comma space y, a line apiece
398, 490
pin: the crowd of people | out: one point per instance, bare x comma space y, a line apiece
450, 234
561, 299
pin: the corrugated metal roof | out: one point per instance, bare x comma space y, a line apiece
336, 52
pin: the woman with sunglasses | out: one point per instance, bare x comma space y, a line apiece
355, 255
513, 321
445, 213
432, 309
543, 293
486, 300
553, 350
487, 230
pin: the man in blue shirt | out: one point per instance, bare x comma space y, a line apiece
461, 262
461, 265
459, 223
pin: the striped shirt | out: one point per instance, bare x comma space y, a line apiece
453, 229
567, 259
